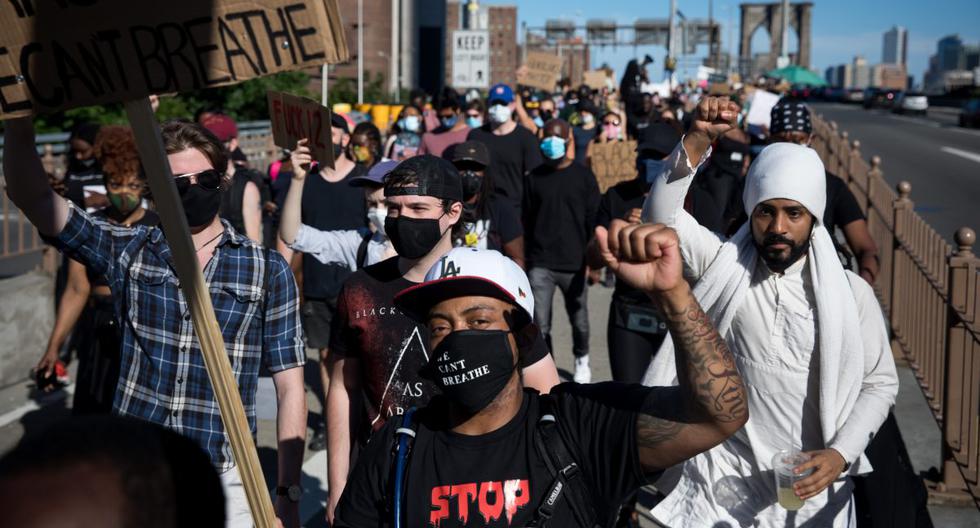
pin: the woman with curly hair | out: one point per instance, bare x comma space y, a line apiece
87, 300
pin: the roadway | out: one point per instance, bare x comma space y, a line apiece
939, 159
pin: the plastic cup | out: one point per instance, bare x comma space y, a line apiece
783, 463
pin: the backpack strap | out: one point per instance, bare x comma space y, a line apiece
362, 250
568, 481
403, 442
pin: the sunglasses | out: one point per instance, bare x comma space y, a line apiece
611, 123
209, 179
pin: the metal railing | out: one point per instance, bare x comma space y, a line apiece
930, 293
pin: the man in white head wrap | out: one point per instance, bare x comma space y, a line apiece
808, 336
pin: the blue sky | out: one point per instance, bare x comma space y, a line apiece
841, 28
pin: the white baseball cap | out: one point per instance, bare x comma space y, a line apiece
469, 271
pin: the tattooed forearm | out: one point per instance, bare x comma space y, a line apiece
652, 431
705, 366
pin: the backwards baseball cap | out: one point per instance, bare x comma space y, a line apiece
474, 151
659, 139
500, 92
467, 272
433, 175
376, 176
222, 126
789, 116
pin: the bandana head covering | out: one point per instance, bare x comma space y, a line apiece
790, 172
790, 116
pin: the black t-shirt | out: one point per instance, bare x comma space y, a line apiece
559, 216
330, 206
511, 157
501, 226
499, 479
842, 208
76, 181
618, 201
391, 346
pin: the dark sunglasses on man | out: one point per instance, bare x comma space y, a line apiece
209, 179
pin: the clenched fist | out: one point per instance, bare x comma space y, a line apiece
645, 256
714, 116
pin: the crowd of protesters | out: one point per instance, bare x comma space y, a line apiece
420, 271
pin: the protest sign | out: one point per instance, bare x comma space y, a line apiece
595, 79
760, 107
64, 54
294, 118
543, 70
613, 162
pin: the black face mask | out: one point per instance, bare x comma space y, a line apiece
412, 238
546, 115
338, 149
471, 367
200, 205
471, 184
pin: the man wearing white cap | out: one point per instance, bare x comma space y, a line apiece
489, 453
808, 337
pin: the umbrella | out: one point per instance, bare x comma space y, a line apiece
798, 75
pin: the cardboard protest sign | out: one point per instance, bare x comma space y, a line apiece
70, 53
543, 70
613, 162
595, 79
294, 118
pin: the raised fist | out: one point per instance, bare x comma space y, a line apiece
644, 256
714, 116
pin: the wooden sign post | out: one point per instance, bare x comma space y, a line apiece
294, 118
61, 55
543, 70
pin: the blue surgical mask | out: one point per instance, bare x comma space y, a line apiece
553, 148
474, 122
409, 123
499, 113
449, 122
653, 168
538, 122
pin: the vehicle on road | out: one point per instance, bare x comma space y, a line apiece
970, 114
877, 98
834, 94
911, 103
854, 95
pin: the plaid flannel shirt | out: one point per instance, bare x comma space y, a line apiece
162, 377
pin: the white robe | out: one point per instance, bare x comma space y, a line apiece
774, 338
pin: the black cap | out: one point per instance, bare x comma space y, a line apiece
790, 116
658, 139
474, 151
585, 105
435, 176
337, 121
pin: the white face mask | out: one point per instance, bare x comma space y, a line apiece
500, 113
377, 215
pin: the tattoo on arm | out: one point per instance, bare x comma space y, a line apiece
710, 391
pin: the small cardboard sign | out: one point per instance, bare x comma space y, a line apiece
595, 79
613, 162
543, 70
57, 55
294, 118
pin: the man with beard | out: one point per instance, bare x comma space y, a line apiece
560, 203
808, 337
489, 453
162, 377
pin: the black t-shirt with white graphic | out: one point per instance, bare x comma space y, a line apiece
499, 479
391, 347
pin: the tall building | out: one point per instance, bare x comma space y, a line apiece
500, 22
895, 46
391, 50
830, 75
862, 74
971, 57
889, 77
950, 52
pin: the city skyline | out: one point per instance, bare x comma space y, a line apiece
842, 29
